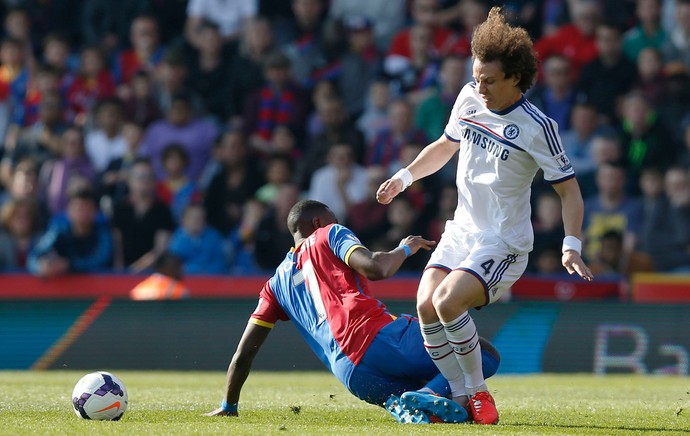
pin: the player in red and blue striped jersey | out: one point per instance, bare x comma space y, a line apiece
322, 287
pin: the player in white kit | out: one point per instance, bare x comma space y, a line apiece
502, 141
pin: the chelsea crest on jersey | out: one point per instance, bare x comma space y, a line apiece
499, 155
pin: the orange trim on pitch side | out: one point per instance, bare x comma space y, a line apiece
71, 335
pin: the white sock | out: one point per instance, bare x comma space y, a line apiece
436, 344
463, 338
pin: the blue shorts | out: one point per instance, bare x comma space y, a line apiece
397, 361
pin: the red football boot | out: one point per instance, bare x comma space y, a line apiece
483, 408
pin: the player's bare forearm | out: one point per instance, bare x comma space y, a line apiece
431, 159
573, 213
240, 366
380, 265
572, 207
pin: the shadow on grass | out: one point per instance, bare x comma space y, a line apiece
599, 427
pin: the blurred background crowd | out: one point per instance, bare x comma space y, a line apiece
137, 128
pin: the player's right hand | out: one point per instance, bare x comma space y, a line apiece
220, 412
417, 242
388, 190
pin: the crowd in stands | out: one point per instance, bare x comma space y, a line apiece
134, 129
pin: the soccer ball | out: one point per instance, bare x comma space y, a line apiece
100, 395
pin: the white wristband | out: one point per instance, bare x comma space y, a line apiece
405, 176
572, 243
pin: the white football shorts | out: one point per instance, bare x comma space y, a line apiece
483, 255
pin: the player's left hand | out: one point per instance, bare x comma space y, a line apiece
388, 190
417, 243
220, 412
573, 263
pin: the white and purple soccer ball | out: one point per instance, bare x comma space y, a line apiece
101, 396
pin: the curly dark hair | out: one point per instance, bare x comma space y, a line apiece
496, 40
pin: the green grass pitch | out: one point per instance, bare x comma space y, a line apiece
170, 403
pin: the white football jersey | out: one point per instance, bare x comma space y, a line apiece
500, 153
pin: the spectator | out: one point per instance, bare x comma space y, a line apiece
609, 76
471, 14
285, 142
234, 185
210, 73
651, 78
386, 16
20, 226
360, 64
403, 219
17, 25
45, 80
548, 262
78, 242
387, 145
171, 80
577, 140
271, 238
367, 218
223, 149
141, 106
424, 192
605, 147
655, 209
612, 260
141, 223
303, 37
165, 283
575, 41
199, 246
106, 23
443, 42
255, 43
106, 142
648, 32
114, 178
93, 83
278, 172
241, 238
556, 95
433, 112
414, 76
56, 174
341, 183
14, 79
645, 140
175, 190
447, 203
57, 54
336, 129
671, 249
278, 102
611, 209
171, 16
23, 181
548, 230
41, 141
676, 100
323, 91
144, 54
194, 134
228, 16
676, 49
375, 116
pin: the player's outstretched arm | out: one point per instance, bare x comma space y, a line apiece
238, 371
430, 160
573, 212
379, 265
